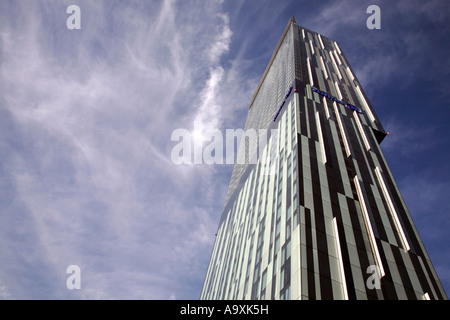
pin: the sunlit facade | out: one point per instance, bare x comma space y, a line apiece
319, 215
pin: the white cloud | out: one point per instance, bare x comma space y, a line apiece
332, 17
209, 114
222, 42
92, 171
4, 294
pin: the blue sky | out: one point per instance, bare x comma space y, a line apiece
86, 118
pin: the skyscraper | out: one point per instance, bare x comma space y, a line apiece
317, 213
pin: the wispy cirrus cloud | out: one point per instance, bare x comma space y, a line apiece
399, 52
86, 144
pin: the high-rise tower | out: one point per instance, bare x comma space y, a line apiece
317, 213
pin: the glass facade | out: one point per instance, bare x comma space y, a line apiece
320, 208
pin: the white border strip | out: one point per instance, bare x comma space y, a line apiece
341, 263
392, 210
369, 226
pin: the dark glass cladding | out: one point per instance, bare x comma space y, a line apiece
330, 210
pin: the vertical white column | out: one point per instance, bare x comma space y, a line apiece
337, 47
323, 68
341, 128
319, 131
338, 90
335, 65
392, 210
309, 72
337, 57
361, 130
341, 263
350, 74
368, 224
325, 104
321, 42
372, 118
311, 45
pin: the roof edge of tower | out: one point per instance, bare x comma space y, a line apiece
291, 21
